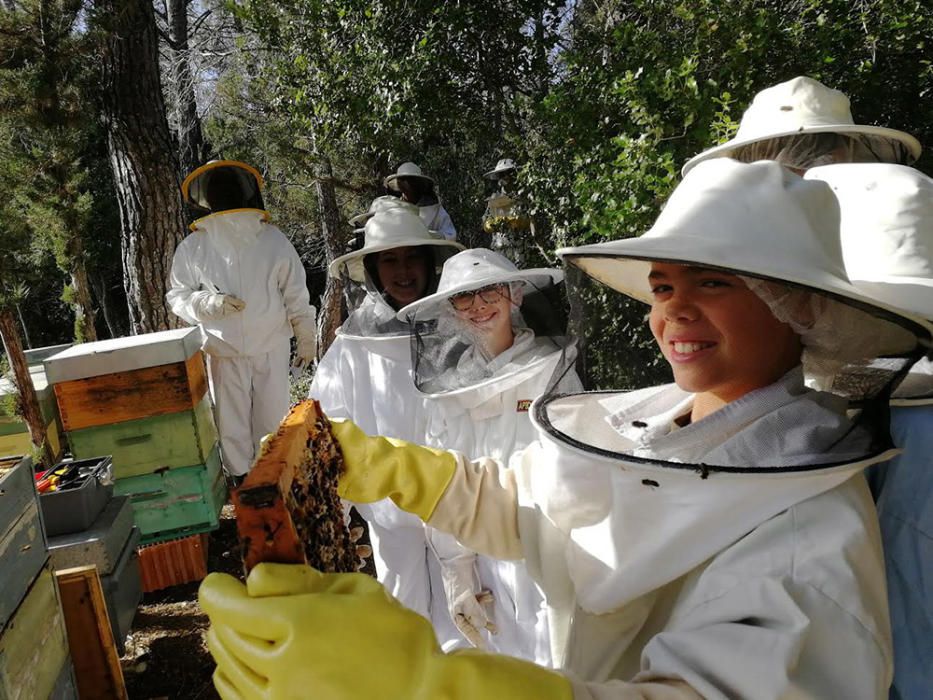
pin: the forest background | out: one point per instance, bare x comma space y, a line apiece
105, 105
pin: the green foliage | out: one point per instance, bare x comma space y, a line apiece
51, 150
646, 84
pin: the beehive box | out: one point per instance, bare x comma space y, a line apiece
14, 433
146, 445
33, 645
124, 379
171, 503
23, 549
100, 545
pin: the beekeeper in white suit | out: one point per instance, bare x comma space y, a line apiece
887, 242
241, 280
365, 375
485, 346
417, 188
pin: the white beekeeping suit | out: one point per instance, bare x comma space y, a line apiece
887, 244
241, 280
365, 375
418, 189
477, 399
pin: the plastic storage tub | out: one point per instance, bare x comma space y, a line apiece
75, 509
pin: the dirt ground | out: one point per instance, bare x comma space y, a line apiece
166, 655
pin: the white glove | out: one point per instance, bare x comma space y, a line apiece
466, 604
219, 305
305, 352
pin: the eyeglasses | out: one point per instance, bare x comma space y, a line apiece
491, 294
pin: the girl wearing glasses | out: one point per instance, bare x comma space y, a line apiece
484, 347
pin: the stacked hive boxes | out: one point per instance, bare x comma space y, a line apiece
144, 400
87, 525
34, 659
14, 433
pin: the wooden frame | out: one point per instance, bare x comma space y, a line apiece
295, 477
90, 639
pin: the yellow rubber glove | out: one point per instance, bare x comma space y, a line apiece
292, 632
414, 477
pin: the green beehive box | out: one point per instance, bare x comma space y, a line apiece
176, 502
146, 445
33, 643
14, 433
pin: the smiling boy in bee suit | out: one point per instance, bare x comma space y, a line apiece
241, 280
709, 539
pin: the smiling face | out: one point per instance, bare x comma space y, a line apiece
403, 274
488, 318
719, 337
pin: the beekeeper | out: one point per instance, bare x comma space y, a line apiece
485, 346
887, 242
240, 278
418, 189
365, 375
804, 124
709, 539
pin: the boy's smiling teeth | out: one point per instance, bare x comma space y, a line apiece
690, 347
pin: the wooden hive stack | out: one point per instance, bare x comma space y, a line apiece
287, 507
14, 433
34, 657
144, 400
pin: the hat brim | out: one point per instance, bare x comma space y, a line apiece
496, 172
624, 266
428, 307
354, 260
723, 150
391, 181
915, 296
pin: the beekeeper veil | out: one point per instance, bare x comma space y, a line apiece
487, 322
780, 234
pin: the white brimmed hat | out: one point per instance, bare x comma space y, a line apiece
474, 269
405, 170
887, 231
393, 228
799, 106
503, 166
756, 219
194, 187
383, 203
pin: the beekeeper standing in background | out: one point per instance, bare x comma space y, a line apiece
241, 280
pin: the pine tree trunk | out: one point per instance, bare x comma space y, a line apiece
330, 315
85, 330
190, 137
106, 307
142, 158
29, 404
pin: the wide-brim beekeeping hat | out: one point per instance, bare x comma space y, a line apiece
799, 106
394, 228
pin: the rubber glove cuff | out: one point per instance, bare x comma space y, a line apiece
413, 476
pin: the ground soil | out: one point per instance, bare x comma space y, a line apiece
166, 653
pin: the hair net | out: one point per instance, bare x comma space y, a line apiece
805, 151
835, 335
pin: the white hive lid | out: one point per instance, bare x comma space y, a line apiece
123, 354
